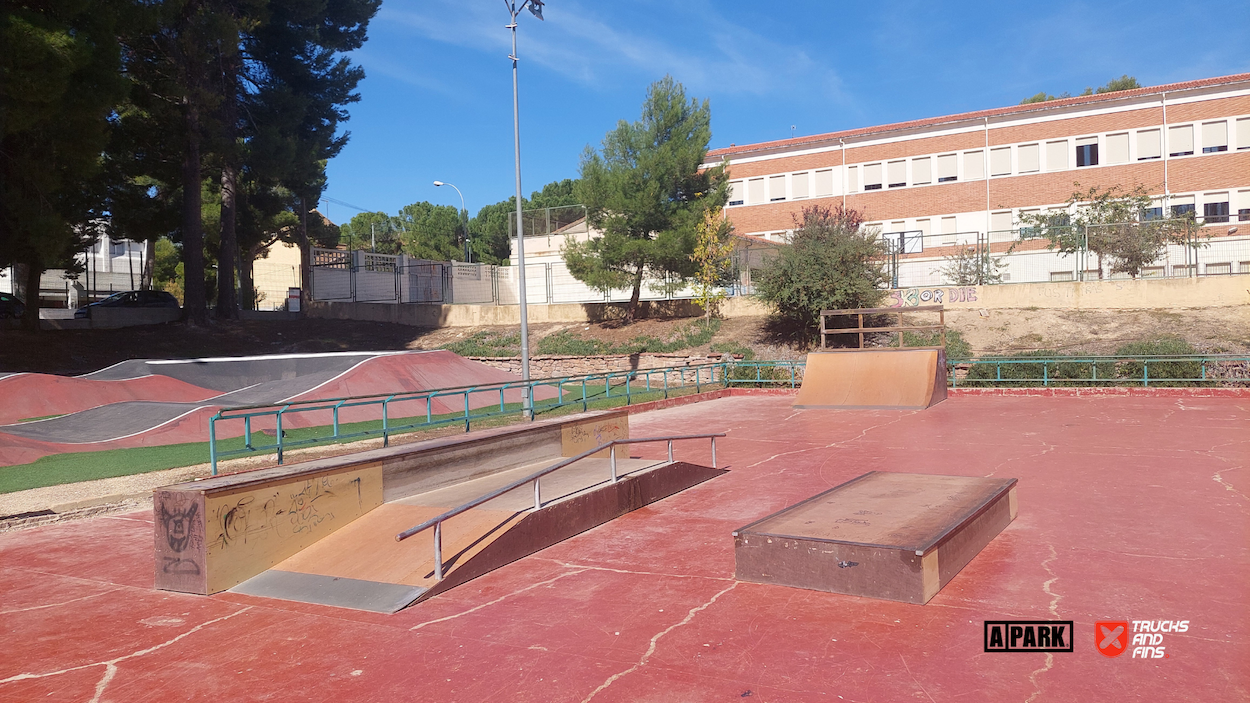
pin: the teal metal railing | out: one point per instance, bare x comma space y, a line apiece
649, 384
1144, 371
631, 386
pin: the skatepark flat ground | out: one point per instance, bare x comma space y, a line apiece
1130, 508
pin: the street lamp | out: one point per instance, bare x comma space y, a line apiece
536, 8
468, 258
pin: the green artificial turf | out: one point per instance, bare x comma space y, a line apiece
88, 466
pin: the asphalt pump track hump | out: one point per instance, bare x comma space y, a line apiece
201, 387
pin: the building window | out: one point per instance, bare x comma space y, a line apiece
824, 183
1243, 267
1153, 272
737, 193
897, 172
1152, 213
946, 168
1057, 155
852, 179
1218, 269
1243, 133
872, 177
1058, 276
1214, 137
1215, 212
921, 171
1030, 159
755, 191
1000, 161
1181, 140
1243, 215
1117, 148
974, 165
1148, 145
798, 184
1182, 270
1087, 152
776, 188
1183, 210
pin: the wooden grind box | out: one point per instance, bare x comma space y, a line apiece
885, 535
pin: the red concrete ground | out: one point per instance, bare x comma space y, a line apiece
1131, 508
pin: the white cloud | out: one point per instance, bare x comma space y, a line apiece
586, 45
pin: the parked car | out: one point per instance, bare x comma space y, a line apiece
11, 306
131, 299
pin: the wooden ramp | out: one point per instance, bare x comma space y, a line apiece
905, 379
362, 566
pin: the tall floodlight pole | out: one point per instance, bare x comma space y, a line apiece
535, 7
467, 258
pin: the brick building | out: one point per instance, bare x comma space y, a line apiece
937, 184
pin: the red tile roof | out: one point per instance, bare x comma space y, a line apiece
995, 112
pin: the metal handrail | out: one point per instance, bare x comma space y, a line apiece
633, 381
536, 477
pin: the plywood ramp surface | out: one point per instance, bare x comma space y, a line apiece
366, 549
910, 379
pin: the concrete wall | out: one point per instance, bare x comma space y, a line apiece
1199, 292
420, 315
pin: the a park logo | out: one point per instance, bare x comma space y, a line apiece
1028, 635
1111, 637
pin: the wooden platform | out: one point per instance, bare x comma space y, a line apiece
895, 536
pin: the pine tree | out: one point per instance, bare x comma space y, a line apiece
646, 191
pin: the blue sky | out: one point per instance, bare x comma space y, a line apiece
437, 100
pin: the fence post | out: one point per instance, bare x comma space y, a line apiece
212, 442
279, 435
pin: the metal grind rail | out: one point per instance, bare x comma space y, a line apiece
536, 478
615, 384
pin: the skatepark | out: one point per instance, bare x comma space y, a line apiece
600, 555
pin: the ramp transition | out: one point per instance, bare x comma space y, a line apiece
908, 379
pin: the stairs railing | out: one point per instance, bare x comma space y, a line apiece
536, 478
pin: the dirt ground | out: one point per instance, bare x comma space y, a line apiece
1212, 330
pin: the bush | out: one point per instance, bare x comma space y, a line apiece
1163, 346
831, 263
1059, 373
957, 348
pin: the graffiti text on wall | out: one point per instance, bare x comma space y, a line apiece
913, 297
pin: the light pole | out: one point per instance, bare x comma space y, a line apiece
468, 258
536, 8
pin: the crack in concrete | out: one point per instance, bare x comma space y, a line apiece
55, 605
1054, 611
588, 567
915, 680
504, 597
654, 640
110, 666
1219, 478
1037, 690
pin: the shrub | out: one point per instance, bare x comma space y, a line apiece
1163, 346
831, 263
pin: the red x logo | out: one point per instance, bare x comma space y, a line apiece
1111, 637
